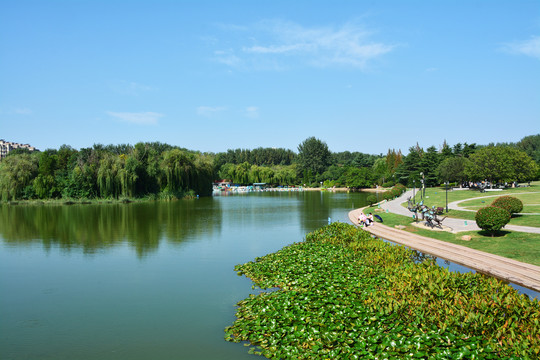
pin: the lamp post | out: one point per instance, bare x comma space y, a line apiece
446, 187
414, 190
422, 183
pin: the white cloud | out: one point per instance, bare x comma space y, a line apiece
228, 58
209, 111
252, 112
529, 47
142, 118
277, 42
131, 88
22, 111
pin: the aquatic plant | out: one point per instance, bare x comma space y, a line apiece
345, 295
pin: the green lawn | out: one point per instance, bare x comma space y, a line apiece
520, 246
530, 196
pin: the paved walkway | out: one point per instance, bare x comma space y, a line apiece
520, 273
454, 225
455, 204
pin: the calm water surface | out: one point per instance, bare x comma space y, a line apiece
142, 280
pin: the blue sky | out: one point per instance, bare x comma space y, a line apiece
213, 75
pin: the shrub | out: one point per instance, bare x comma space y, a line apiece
388, 184
492, 219
509, 203
371, 199
401, 188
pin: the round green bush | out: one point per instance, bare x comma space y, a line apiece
401, 187
371, 199
492, 218
509, 203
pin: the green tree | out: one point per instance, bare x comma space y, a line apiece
357, 178
502, 164
313, 157
452, 169
428, 165
16, 173
178, 167
408, 172
531, 146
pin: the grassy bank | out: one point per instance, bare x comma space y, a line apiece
530, 196
520, 246
343, 294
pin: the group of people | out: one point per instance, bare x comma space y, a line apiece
365, 220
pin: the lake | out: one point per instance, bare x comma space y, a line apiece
149, 280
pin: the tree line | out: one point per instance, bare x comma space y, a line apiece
162, 171
115, 171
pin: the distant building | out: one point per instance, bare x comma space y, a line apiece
7, 146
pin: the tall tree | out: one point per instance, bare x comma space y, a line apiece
531, 146
16, 173
313, 156
452, 169
428, 164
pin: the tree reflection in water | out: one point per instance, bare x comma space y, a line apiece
96, 227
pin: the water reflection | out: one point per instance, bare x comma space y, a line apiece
97, 227
318, 207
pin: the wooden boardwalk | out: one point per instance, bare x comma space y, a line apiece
500, 267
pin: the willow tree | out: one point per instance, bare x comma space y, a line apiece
107, 175
178, 167
16, 173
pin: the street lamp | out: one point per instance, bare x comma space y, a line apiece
414, 190
446, 187
422, 182
423, 185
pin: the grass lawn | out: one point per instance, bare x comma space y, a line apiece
530, 196
520, 246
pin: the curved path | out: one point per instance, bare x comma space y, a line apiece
454, 205
520, 273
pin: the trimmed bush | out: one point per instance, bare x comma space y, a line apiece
492, 219
401, 188
371, 199
509, 203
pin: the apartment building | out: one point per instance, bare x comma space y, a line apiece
7, 146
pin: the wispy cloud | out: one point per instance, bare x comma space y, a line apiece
131, 88
210, 111
251, 112
141, 118
22, 111
529, 47
279, 44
